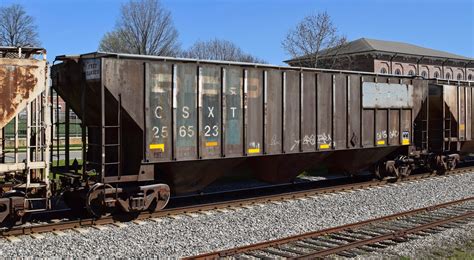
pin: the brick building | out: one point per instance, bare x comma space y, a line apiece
387, 57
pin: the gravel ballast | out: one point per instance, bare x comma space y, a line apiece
188, 235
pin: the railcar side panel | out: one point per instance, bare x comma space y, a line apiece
233, 111
158, 91
462, 113
291, 111
340, 111
273, 112
468, 113
185, 109
210, 111
253, 87
308, 111
354, 111
324, 111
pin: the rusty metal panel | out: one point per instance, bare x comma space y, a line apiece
233, 113
324, 111
340, 111
22, 80
354, 111
368, 127
210, 111
185, 109
462, 113
381, 123
468, 113
291, 112
394, 127
253, 88
273, 111
158, 95
450, 97
406, 127
387, 95
308, 111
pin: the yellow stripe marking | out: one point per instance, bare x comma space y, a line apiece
405, 142
324, 146
253, 150
381, 142
211, 144
157, 147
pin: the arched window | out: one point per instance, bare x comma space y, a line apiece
424, 74
448, 75
459, 76
436, 74
469, 77
398, 72
383, 70
411, 73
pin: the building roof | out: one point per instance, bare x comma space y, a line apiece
365, 45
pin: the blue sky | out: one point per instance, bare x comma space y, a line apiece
258, 26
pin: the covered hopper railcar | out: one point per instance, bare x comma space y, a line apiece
154, 122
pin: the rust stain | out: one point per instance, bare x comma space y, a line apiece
18, 82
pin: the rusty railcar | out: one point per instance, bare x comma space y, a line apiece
451, 125
24, 170
186, 122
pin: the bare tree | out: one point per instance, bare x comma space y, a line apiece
144, 27
312, 35
219, 50
17, 28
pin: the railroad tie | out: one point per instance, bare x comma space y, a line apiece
119, 224
37, 235
99, 227
58, 233
139, 222
80, 230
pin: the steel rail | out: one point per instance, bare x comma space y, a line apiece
88, 222
358, 243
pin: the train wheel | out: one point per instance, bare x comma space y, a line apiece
95, 200
18, 216
379, 170
440, 166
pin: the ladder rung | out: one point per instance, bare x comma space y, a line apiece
112, 163
111, 126
95, 163
111, 145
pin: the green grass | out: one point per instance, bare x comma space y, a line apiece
74, 129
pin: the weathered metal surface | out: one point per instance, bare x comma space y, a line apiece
189, 112
210, 112
158, 111
253, 91
385, 95
185, 112
233, 112
273, 112
291, 112
21, 80
308, 111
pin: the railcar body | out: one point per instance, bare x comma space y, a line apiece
187, 122
24, 171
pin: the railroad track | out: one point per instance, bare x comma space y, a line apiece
359, 238
193, 210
